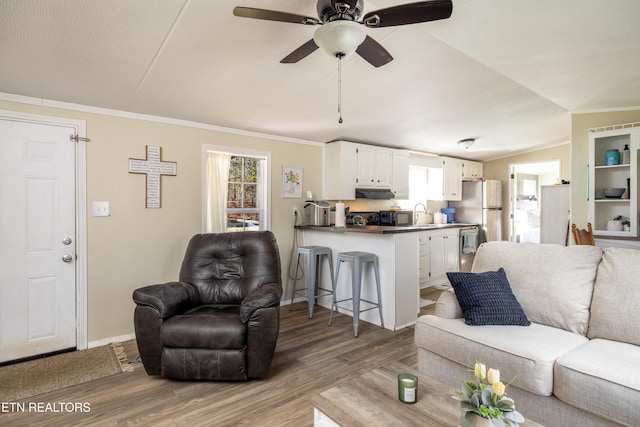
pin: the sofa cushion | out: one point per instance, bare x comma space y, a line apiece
615, 308
486, 299
553, 283
601, 377
529, 353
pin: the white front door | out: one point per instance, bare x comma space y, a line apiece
37, 238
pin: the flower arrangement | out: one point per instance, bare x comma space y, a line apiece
485, 397
291, 176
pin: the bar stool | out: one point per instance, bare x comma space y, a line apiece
313, 255
358, 261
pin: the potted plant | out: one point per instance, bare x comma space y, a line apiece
483, 401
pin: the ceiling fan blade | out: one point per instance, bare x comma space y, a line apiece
373, 52
273, 15
411, 13
302, 52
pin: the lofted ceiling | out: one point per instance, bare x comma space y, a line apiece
506, 72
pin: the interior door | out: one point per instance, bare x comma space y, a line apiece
38, 239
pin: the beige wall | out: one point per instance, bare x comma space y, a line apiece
580, 125
500, 169
136, 246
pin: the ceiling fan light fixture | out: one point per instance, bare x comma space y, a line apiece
339, 37
466, 143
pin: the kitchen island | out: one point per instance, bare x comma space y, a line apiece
398, 251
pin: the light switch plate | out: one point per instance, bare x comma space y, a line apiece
101, 208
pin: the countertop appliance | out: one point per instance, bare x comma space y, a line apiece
316, 212
469, 242
388, 217
481, 204
396, 217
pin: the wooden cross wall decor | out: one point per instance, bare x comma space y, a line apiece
154, 168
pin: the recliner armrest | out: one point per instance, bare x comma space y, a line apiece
168, 298
267, 295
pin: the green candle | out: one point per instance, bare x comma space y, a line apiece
407, 388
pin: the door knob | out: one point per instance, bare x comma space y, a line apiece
66, 241
67, 258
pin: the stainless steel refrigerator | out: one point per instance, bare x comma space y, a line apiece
481, 204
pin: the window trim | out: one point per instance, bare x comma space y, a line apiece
243, 152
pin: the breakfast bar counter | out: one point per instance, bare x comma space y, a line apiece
382, 229
398, 252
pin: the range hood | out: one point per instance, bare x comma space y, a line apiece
374, 193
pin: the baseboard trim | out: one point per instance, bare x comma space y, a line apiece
105, 341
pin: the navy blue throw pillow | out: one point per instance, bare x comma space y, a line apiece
486, 299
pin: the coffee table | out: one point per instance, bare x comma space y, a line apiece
371, 399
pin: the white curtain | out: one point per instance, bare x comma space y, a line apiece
217, 184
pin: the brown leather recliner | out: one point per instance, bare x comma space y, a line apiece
221, 320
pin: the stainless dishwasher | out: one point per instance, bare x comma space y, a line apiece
469, 238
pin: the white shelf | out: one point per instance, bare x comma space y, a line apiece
604, 209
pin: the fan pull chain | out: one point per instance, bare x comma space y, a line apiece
340, 56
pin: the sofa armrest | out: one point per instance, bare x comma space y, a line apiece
265, 296
167, 298
447, 306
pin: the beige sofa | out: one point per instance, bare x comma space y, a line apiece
578, 363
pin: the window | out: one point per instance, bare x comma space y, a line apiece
244, 201
236, 189
417, 188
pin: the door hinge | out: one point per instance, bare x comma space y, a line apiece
77, 138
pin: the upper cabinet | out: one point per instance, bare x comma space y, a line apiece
340, 160
471, 171
400, 177
375, 166
609, 214
445, 183
348, 165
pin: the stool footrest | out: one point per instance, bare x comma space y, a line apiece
303, 292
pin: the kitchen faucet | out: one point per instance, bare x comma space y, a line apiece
414, 210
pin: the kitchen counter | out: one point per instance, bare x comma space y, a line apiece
382, 229
398, 252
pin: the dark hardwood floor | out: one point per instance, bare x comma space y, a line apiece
310, 358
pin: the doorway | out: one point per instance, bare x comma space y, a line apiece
43, 238
524, 197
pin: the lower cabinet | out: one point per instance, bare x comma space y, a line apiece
439, 252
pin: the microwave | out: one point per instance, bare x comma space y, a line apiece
397, 218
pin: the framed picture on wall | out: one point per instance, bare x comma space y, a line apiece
292, 182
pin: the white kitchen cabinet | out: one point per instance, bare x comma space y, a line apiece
471, 170
340, 171
445, 183
348, 165
438, 255
374, 166
603, 209
400, 179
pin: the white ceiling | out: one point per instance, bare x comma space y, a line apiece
506, 72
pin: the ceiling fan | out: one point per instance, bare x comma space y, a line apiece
340, 33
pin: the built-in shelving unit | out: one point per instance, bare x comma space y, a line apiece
603, 209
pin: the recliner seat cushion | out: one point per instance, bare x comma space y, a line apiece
212, 327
